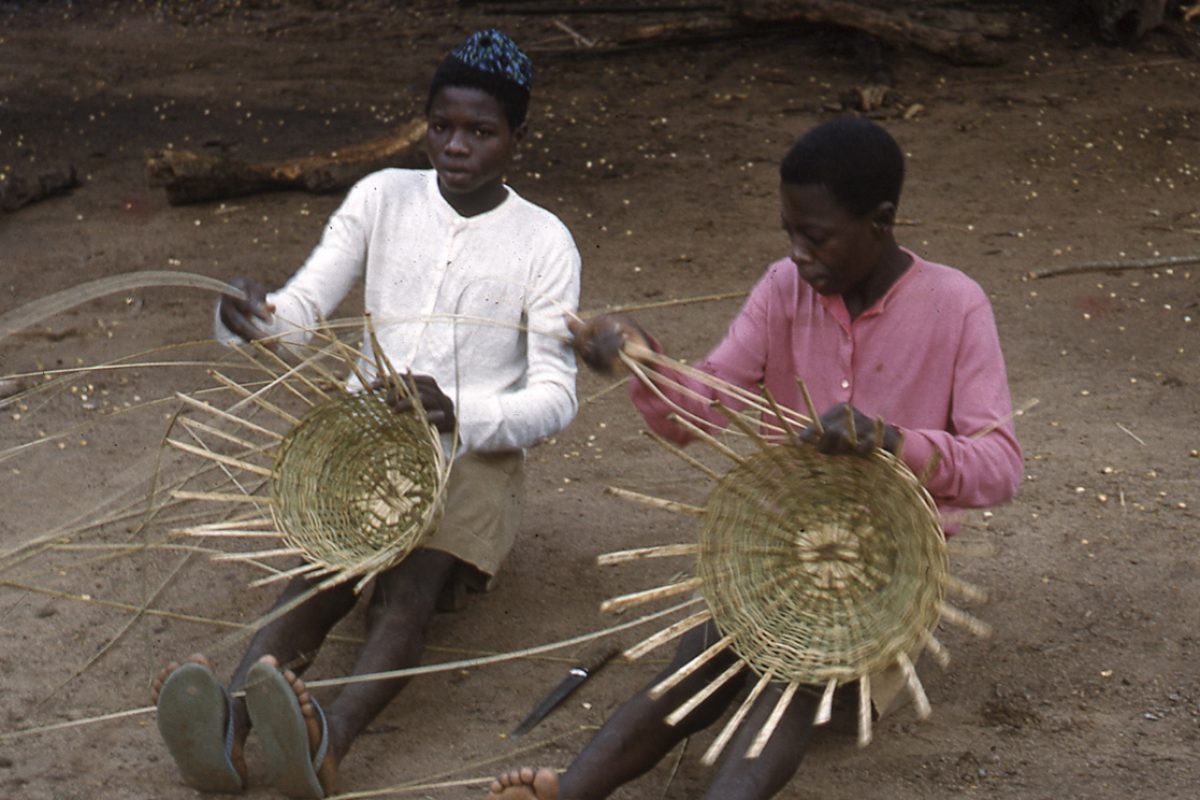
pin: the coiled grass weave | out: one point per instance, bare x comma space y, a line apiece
355, 485
820, 566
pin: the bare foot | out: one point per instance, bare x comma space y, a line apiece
327, 772
525, 784
161, 678
237, 747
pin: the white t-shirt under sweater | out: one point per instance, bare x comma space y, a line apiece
478, 303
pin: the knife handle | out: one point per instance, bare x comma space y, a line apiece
600, 659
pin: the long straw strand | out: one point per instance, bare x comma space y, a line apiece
687, 458
454, 666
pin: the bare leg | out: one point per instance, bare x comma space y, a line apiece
739, 778
636, 737
292, 639
402, 605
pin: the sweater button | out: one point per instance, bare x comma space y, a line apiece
845, 384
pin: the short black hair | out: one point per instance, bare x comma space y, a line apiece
857, 160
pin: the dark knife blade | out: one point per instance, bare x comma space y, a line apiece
575, 676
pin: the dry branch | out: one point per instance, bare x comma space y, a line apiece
190, 177
691, 27
958, 46
17, 191
1111, 265
959, 36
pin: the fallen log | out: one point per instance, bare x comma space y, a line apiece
1126, 21
190, 177
958, 46
18, 191
698, 26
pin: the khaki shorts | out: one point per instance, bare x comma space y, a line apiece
484, 496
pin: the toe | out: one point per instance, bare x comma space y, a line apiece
545, 784
160, 679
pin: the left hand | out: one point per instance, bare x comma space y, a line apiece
439, 409
836, 439
600, 340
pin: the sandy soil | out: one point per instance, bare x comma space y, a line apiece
662, 162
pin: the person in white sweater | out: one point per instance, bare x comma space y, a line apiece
468, 285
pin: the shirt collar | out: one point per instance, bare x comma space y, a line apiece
447, 212
836, 306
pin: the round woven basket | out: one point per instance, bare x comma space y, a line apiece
356, 486
821, 567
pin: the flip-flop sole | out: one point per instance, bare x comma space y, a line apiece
192, 718
280, 726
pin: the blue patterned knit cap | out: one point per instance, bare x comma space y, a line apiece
490, 61
492, 52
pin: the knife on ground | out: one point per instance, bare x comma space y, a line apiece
575, 676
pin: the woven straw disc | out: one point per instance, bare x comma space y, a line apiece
355, 485
819, 566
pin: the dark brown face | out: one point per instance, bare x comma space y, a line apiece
469, 141
835, 251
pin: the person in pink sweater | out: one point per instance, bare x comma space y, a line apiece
875, 332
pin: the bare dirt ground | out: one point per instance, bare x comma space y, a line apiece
662, 162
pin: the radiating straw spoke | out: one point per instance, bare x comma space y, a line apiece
650, 595
714, 751
825, 707
764, 735
667, 634
655, 502
672, 680
659, 551
690, 705
920, 700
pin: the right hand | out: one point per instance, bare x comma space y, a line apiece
439, 409
844, 430
599, 341
239, 315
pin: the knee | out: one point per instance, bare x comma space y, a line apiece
412, 587
327, 604
695, 642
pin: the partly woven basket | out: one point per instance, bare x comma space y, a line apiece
355, 486
821, 567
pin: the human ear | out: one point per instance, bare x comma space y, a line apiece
884, 216
518, 134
